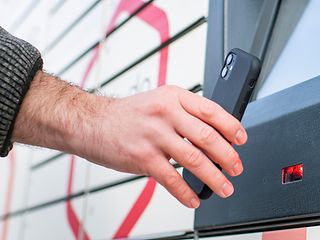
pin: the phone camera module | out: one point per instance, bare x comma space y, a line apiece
229, 59
224, 72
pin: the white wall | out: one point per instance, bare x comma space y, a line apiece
37, 196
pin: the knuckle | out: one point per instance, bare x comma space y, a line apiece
232, 155
168, 90
158, 108
170, 93
144, 153
152, 131
207, 134
172, 180
218, 177
236, 125
148, 155
207, 108
194, 158
184, 191
171, 88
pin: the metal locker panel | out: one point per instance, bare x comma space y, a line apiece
53, 179
140, 78
4, 178
12, 229
55, 222
186, 59
62, 17
110, 207
85, 72
40, 155
184, 67
18, 178
145, 32
100, 176
9, 19
14, 180
164, 216
48, 182
83, 35
135, 209
29, 27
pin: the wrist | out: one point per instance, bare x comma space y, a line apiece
55, 114
19, 63
82, 128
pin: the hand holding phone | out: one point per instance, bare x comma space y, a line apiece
233, 91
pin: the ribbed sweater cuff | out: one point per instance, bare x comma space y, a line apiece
19, 62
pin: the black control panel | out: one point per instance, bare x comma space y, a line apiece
281, 178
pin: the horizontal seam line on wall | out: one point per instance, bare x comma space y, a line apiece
64, 32
82, 16
23, 17
177, 36
57, 7
75, 195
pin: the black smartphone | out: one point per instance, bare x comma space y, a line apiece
233, 91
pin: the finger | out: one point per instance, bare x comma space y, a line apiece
170, 179
196, 162
213, 114
210, 141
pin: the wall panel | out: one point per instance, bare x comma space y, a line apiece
52, 223
67, 33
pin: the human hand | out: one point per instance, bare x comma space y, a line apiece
140, 133
136, 134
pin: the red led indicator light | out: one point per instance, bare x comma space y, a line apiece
292, 173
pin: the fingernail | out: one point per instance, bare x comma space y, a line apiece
227, 189
240, 136
195, 203
237, 168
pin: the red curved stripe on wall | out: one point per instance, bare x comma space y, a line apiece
7, 204
136, 210
157, 19
292, 234
74, 222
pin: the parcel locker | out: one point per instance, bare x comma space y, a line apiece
279, 188
280, 184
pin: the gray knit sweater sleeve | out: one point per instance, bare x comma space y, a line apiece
19, 62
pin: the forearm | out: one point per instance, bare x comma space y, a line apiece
57, 115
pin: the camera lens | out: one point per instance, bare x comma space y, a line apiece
229, 58
224, 72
